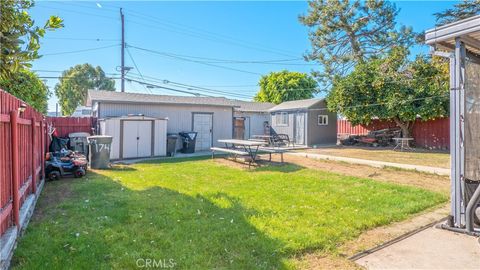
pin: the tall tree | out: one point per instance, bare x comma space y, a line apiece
278, 87
344, 33
19, 36
462, 10
75, 82
393, 88
28, 87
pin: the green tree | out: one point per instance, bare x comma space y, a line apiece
393, 88
344, 33
19, 36
278, 87
28, 87
75, 82
462, 10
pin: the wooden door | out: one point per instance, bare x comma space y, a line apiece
239, 128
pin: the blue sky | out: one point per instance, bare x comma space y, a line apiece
245, 31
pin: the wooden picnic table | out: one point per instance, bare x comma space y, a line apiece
267, 138
249, 147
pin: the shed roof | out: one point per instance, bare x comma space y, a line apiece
468, 30
250, 106
128, 97
296, 104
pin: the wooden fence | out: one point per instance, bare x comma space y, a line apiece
66, 125
433, 134
22, 148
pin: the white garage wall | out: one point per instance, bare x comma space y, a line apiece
180, 116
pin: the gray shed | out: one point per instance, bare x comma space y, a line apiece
211, 117
307, 122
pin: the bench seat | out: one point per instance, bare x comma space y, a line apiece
271, 150
231, 151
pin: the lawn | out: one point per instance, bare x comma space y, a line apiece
417, 157
201, 214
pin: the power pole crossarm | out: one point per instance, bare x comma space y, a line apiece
122, 67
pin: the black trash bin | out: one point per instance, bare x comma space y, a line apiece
171, 144
188, 141
99, 151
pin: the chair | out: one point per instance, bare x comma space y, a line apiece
282, 139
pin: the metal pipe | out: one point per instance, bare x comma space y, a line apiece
472, 204
459, 230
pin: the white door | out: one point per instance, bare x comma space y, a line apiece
137, 139
203, 125
300, 128
144, 138
247, 128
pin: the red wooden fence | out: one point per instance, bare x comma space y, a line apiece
66, 125
22, 148
433, 134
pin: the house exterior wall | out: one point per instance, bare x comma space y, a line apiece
180, 116
256, 122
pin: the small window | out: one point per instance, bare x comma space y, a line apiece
323, 120
282, 119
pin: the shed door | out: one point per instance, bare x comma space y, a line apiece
144, 138
300, 128
203, 125
137, 139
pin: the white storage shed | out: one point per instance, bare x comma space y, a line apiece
135, 136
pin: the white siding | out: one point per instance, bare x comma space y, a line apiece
180, 116
256, 122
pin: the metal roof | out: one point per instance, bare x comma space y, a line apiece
296, 104
468, 30
128, 97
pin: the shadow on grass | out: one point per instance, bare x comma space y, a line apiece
108, 226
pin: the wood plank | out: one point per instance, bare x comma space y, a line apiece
4, 118
24, 121
5, 212
232, 151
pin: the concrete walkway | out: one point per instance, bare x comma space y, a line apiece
177, 155
374, 163
431, 248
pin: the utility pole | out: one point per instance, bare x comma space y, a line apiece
122, 67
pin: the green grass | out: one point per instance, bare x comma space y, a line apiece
204, 215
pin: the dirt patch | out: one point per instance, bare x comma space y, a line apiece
436, 183
440, 159
54, 193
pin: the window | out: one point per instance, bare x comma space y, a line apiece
323, 120
282, 119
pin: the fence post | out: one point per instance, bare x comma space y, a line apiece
43, 143
15, 166
34, 158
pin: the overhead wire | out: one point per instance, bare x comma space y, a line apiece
79, 51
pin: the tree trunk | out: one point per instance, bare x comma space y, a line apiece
406, 128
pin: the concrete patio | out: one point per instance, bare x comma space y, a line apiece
431, 248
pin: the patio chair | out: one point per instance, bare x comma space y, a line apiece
282, 139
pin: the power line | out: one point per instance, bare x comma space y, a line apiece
136, 67
166, 88
194, 61
79, 51
81, 39
193, 87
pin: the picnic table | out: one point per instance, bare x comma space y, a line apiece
265, 138
402, 143
248, 148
